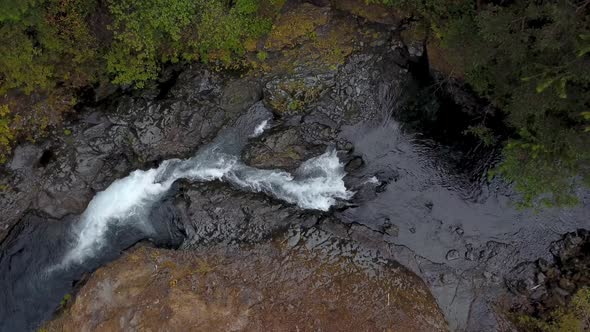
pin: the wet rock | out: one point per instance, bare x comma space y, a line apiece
415, 50
354, 164
391, 229
453, 255
538, 293
284, 149
315, 105
561, 292
60, 176
319, 3
553, 273
469, 254
542, 264
25, 158
558, 279
58, 204
214, 213
196, 84
567, 285
292, 95
239, 95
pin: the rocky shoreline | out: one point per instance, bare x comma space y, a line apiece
419, 203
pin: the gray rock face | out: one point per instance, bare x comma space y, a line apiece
61, 175
284, 148
238, 95
215, 213
25, 158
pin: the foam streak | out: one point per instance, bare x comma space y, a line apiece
317, 184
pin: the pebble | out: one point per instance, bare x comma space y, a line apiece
453, 255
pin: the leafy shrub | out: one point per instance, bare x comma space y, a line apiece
46, 45
142, 29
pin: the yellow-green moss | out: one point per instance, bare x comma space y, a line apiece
575, 317
7, 133
295, 97
295, 26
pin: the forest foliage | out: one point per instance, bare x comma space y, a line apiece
52, 49
530, 59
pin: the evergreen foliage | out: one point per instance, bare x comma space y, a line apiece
530, 59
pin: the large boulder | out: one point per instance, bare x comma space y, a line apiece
280, 286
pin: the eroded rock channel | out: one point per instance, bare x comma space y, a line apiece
295, 198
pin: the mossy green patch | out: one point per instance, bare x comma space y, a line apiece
295, 26
574, 317
293, 96
7, 134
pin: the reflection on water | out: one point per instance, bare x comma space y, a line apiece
440, 198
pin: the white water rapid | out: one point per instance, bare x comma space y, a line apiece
316, 184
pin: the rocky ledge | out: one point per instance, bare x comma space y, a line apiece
279, 286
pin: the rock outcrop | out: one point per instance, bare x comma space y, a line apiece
272, 287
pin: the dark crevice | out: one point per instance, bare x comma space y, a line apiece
166, 85
46, 158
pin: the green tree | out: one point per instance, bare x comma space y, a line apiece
142, 30
530, 59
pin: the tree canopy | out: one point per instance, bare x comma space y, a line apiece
530, 59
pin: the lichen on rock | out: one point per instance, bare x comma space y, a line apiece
278, 286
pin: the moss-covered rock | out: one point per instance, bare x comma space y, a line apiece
238, 95
296, 25
288, 96
374, 12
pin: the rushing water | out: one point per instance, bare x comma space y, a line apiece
34, 278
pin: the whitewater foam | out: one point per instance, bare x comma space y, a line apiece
260, 128
125, 200
316, 184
